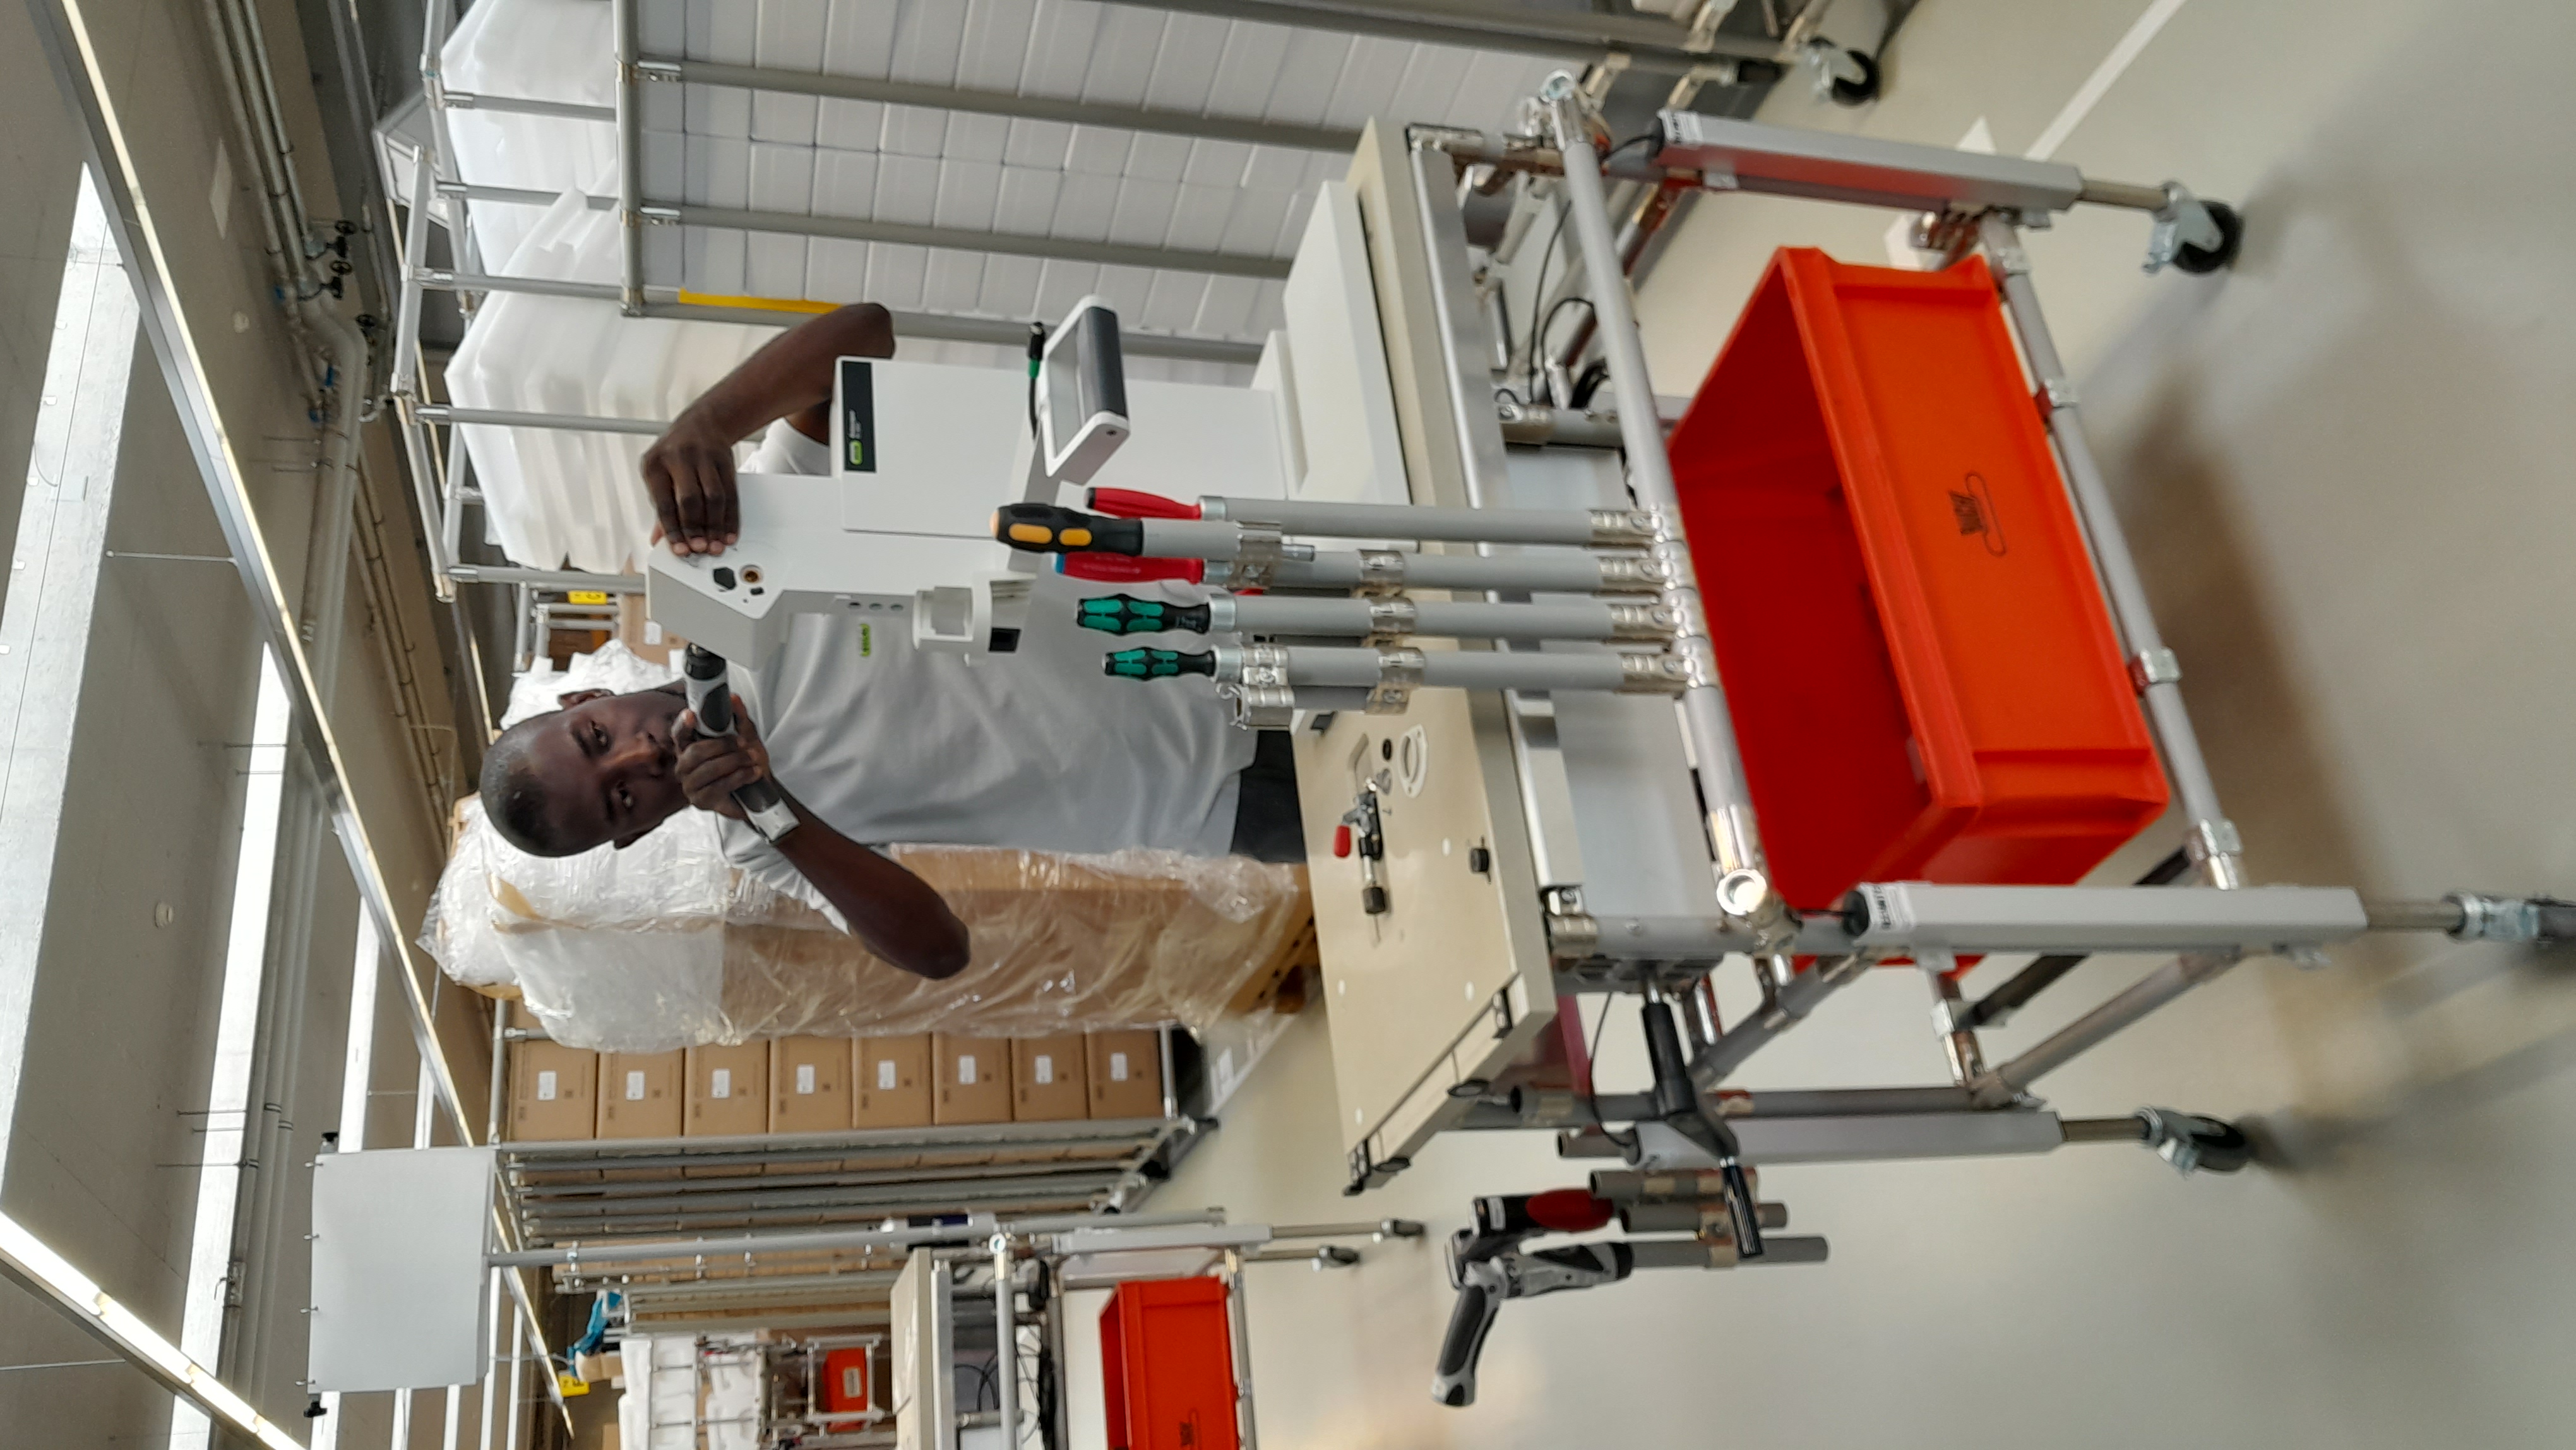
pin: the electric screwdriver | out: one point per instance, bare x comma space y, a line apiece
711, 701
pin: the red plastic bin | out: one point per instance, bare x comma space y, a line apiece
1167, 1356
1923, 677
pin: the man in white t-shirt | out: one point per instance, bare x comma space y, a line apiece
871, 741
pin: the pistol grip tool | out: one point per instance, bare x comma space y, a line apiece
1486, 1267
711, 701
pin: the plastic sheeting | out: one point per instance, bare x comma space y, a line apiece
666, 945
557, 498
544, 50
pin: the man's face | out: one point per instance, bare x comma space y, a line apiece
608, 761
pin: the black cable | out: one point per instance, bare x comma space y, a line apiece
1539, 338
1529, 372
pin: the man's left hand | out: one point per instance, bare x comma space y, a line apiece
713, 767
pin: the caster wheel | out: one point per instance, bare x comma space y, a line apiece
1865, 90
2223, 1147
2199, 261
2194, 1144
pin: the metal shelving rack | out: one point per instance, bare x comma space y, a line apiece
1691, 53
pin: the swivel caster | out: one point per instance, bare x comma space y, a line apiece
2192, 1143
2201, 261
1845, 77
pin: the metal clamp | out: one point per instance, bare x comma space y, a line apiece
2496, 918
2154, 667
1257, 553
1259, 707
1571, 934
1391, 618
1262, 697
2059, 394
1399, 674
2211, 839
1637, 574
1653, 674
1643, 621
1381, 572
1624, 528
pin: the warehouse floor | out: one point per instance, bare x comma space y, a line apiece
2343, 466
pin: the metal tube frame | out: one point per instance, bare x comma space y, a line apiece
1746, 158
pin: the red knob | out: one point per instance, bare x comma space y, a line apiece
1341, 840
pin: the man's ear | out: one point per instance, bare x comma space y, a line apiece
579, 697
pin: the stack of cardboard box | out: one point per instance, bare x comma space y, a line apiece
831, 1084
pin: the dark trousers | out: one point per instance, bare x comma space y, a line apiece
1267, 826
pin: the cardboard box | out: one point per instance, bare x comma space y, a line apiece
1047, 1079
728, 1090
640, 1094
809, 1085
554, 1092
1126, 1074
894, 1082
974, 1080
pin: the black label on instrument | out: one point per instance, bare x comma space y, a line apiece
858, 416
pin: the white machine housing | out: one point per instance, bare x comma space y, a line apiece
922, 455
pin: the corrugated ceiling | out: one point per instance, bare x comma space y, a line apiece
724, 147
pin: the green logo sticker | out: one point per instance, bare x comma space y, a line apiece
867, 640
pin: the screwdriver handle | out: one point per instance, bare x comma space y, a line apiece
1157, 664
1127, 614
1046, 528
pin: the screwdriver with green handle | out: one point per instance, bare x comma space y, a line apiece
1127, 614
1157, 664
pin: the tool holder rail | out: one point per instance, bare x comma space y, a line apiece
1338, 630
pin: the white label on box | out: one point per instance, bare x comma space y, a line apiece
854, 1381
805, 1078
1046, 1069
720, 1083
1117, 1067
546, 1085
885, 1075
965, 1069
635, 1086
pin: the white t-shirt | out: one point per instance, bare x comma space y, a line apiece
1036, 749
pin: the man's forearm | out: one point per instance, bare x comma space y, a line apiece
793, 372
893, 912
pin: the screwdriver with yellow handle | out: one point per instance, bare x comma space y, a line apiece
1045, 528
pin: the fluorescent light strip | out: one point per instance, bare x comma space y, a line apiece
33, 1263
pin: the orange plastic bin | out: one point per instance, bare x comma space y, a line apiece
1167, 1357
1923, 677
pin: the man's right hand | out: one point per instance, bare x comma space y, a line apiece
713, 767
689, 473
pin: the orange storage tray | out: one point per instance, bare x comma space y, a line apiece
1167, 1362
1923, 677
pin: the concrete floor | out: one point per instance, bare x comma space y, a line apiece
2344, 470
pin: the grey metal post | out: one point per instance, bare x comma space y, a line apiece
630, 161
1795, 999
547, 578
451, 520
406, 378
1006, 1340
1578, 528
2213, 842
512, 418
2000, 1086
1239, 1325
1747, 892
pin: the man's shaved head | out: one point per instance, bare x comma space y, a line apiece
601, 769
